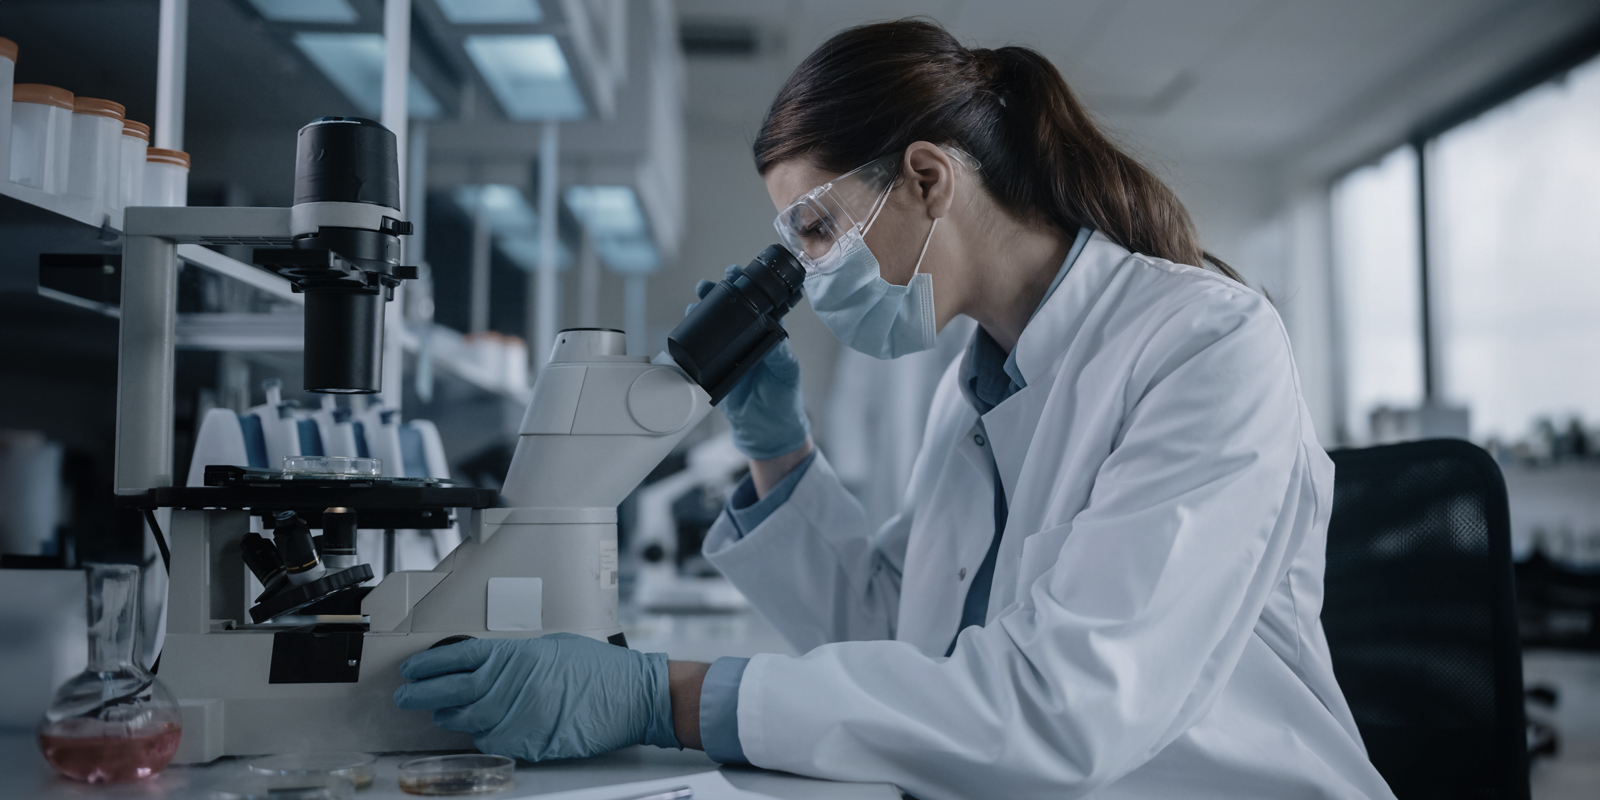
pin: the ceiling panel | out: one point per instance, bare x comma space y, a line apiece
1145, 45
1251, 80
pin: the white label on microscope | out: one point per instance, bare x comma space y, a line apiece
515, 604
608, 564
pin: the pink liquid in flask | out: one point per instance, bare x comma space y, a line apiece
84, 753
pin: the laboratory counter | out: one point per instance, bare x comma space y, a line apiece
24, 774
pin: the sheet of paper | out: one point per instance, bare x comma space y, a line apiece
706, 786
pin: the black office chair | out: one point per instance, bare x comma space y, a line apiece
1421, 619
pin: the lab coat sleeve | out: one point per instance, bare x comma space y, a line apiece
1126, 640
747, 511
814, 567
719, 710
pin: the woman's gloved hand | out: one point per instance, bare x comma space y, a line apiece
765, 409
558, 696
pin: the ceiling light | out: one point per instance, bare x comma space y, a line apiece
633, 256
323, 11
491, 12
512, 220
614, 221
354, 62
528, 75
504, 207
522, 249
607, 211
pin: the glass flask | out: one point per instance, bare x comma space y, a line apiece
114, 722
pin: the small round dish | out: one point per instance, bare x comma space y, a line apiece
287, 769
470, 773
331, 790
349, 467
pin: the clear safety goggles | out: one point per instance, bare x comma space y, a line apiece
841, 210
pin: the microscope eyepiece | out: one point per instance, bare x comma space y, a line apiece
736, 324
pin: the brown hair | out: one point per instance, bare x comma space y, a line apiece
873, 90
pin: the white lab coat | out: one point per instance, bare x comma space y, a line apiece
1153, 626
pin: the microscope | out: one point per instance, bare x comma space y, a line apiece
251, 675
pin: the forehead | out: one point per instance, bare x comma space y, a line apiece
787, 180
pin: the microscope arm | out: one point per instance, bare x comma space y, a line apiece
597, 426
599, 422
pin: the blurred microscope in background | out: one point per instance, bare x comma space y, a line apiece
670, 515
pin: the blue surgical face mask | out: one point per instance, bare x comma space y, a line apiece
869, 314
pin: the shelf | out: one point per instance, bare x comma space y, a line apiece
28, 230
449, 357
81, 210
33, 223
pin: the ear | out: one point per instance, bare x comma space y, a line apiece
931, 173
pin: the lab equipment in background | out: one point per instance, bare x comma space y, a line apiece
41, 136
1558, 606
380, 430
166, 177
1429, 421
135, 146
114, 722
8, 72
41, 612
467, 773
673, 515
502, 359
93, 160
281, 433
30, 495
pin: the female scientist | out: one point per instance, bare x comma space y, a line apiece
1107, 571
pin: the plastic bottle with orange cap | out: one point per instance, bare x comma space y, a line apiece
135, 146
93, 158
41, 136
84, 147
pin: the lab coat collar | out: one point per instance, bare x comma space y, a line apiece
1054, 325
1039, 350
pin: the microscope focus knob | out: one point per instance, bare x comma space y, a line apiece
661, 400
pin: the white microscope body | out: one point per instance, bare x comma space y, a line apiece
598, 422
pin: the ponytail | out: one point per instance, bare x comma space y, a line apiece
873, 90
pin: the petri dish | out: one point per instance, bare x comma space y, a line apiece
331, 467
290, 768
330, 789
457, 775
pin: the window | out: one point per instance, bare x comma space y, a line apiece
1514, 207
1376, 258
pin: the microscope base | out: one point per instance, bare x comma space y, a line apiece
231, 707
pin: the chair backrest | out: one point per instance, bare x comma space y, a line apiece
1420, 615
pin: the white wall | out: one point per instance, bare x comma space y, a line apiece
729, 221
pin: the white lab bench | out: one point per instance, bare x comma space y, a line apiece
703, 637
25, 775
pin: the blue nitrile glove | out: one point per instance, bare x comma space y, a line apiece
558, 696
765, 408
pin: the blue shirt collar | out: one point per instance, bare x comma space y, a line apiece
989, 375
